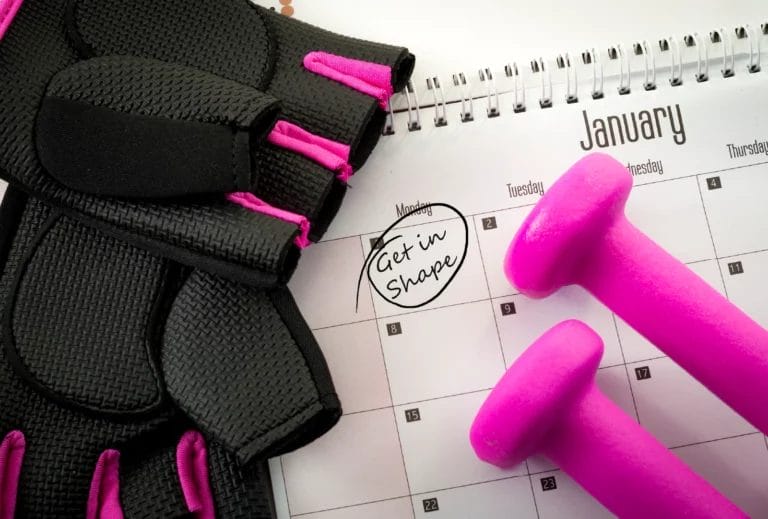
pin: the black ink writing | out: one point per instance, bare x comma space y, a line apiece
409, 266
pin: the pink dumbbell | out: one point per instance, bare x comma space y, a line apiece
578, 234
548, 402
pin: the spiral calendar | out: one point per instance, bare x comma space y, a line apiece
417, 335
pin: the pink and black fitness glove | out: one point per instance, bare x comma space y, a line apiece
114, 360
170, 107
168, 160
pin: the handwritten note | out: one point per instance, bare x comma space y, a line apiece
410, 264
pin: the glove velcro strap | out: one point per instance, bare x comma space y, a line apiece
135, 127
78, 327
244, 366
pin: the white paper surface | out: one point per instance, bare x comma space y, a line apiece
411, 379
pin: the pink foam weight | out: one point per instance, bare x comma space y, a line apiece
548, 402
578, 234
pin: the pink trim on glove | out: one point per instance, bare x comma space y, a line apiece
252, 203
104, 496
372, 79
11, 454
192, 465
326, 152
8, 10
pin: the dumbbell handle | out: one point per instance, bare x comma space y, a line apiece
627, 469
683, 316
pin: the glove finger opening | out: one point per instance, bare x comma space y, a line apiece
305, 174
295, 183
11, 456
326, 152
183, 474
150, 482
371, 79
335, 86
240, 490
192, 465
257, 205
244, 366
104, 494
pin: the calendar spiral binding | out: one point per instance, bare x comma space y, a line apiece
747, 36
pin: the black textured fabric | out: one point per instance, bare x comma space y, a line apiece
80, 318
249, 484
106, 346
207, 232
135, 127
61, 446
219, 371
229, 39
149, 484
153, 157
312, 187
150, 489
277, 46
158, 89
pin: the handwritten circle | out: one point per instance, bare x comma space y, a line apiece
393, 250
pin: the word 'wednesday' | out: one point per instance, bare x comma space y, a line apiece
614, 130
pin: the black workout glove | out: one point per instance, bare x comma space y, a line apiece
125, 326
167, 99
114, 357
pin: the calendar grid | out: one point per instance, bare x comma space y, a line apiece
711, 237
488, 287
676, 447
501, 348
389, 387
626, 367
492, 300
285, 485
533, 492
483, 390
520, 206
363, 503
704, 442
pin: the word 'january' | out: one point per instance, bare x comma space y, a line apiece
614, 130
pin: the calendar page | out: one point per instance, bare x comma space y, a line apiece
408, 300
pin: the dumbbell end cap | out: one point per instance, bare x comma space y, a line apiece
535, 393
561, 230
